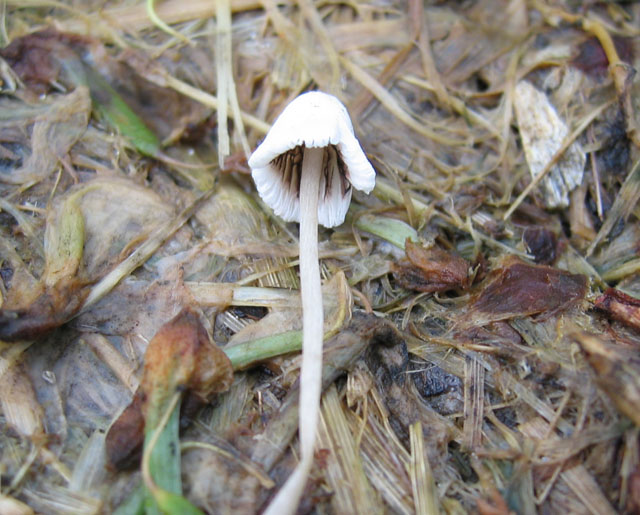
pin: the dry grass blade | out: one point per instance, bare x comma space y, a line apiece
623, 206
158, 22
577, 478
386, 463
345, 473
425, 494
473, 402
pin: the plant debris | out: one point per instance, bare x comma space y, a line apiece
431, 270
481, 304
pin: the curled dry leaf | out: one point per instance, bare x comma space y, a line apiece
620, 306
180, 357
50, 310
431, 270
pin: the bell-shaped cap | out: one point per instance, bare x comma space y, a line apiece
313, 119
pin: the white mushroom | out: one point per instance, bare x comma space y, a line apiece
305, 170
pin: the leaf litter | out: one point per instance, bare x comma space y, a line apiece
481, 328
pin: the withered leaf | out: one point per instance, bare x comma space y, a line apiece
515, 288
180, 357
592, 59
38, 58
620, 306
431, 270
124, 439
542, 243
51, 309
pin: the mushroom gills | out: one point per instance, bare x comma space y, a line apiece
335, 189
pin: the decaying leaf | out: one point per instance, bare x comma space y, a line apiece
515, 288
431, 269
592, 59
125, 436
620, 306
51, 309
37, 58
180, 357
132, 105
542, 243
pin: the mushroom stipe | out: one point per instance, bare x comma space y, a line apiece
305, 170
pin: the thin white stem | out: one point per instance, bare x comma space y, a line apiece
287, 499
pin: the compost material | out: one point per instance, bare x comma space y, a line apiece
481, 305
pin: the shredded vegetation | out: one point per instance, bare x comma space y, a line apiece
481, 306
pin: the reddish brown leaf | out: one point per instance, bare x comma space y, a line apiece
592, 59
53, 308
516, 288
542, 243
620, 306
180, 357
38, 57
431, 270
125, 436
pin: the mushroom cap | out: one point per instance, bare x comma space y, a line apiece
313, 119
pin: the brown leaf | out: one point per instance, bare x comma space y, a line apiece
51, 309
125, 436
431, 270
37, 58
180, 357
516, 288
542, 243
620, 306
